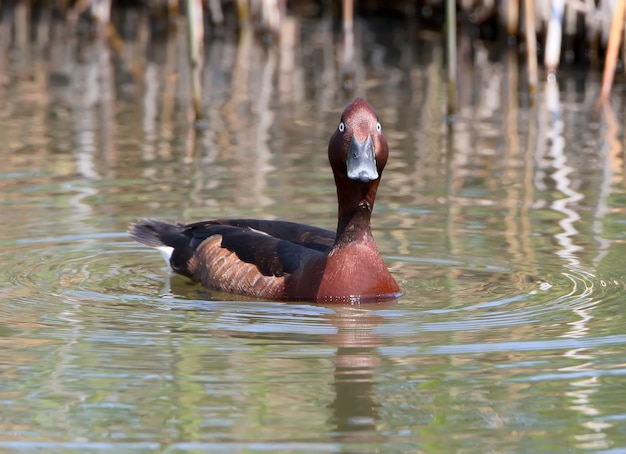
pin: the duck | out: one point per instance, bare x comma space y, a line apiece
282, 260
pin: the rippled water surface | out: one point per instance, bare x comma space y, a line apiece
504, 227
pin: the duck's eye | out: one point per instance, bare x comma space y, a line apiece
342, 127
379, 127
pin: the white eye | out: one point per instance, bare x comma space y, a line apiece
342, 127
379, 127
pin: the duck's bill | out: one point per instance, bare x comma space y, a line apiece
361, 162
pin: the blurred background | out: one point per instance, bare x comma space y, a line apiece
501, 213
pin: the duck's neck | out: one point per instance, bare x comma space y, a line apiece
356, 202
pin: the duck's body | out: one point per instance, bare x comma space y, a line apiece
282, 260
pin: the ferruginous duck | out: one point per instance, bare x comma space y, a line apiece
280, 260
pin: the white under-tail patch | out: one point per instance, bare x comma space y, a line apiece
166, 253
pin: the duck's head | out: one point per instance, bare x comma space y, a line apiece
358, 149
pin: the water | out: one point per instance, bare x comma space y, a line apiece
504, 228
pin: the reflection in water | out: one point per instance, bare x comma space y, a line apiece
556, 143
354, 407
612, 168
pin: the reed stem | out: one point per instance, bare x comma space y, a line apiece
531, 45
451, 55
615, 39
195, 28
555, 36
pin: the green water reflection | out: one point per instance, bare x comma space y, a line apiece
504, 228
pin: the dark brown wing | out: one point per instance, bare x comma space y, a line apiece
308, 236
275, 247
